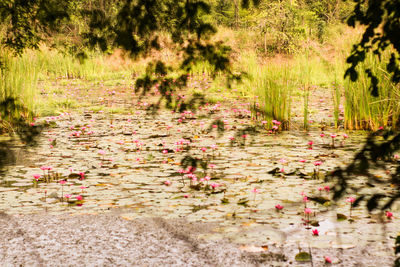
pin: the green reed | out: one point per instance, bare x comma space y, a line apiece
364, 111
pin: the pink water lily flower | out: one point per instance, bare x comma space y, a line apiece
315, 232
307, 211
318, 163
45, 168
214, 185
191, 169
283, 161
255, 190
350, 200
389, 215
278, 207
328, 259
310, 145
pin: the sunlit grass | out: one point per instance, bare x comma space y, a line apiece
20, 76
269, 83
18, 79
277, 81
364, 111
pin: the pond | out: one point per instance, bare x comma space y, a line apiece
256, 187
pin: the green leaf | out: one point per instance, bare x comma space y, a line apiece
341, 217
243, 201
303, 257
224, 200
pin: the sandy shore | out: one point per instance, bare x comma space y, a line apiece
110, 240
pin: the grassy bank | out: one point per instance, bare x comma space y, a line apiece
271, 84
364, 111
25, 77
277, 80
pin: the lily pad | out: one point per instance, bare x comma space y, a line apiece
74, 176
243, 201
341, 217
303, 257
224, 201
320, 200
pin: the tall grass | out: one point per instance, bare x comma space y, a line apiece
364, 111
275, 83
272, 82
305, 107
20, 75
336, 96
52, 64
278, 81
271, 85
18, 80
